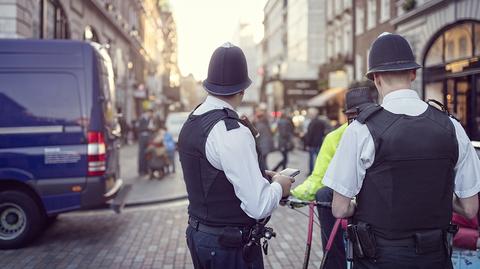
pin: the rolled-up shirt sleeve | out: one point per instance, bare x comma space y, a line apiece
354, 155
467, 169
234, 152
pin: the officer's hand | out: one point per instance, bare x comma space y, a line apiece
285, 182
270, 173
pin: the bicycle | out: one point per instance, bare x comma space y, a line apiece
296, 203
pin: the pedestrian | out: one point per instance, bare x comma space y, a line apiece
285, 131
313, 138
171, 148
123, 127
408, 164
145, 130
265, 140
312, 188
227, 187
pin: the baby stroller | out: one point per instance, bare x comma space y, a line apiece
157, 158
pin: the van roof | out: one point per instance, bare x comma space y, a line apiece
34, 53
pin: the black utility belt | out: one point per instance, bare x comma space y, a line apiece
246, 237
362, 242
216, 230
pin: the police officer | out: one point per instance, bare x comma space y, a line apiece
404, 161
227, 187
356, 99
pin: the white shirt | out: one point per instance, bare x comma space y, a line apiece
234, 153
356, 151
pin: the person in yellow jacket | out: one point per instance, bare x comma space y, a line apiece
308, 189
312, 188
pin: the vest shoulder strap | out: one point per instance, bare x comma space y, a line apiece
367, 112
378, 122
231, 120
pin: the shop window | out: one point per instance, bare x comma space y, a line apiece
359, 20
435, 54
477, 114
454, 44
458, 43
462, 106
477, 39
371, 13
52, 21
36, 21
385, 10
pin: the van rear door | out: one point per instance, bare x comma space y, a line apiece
42, 134
112, 130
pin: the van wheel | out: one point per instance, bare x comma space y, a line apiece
21, 220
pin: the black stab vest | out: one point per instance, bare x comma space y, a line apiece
409, 186
211, 196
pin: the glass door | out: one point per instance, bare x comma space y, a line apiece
475, 133
462, 97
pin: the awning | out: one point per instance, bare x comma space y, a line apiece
322, 99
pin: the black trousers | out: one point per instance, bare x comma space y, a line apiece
283, 162
404, 258
336, 258
207, 253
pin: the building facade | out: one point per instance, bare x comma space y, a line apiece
274, 48
445, 37
338, 71
305, 50
129, 29
244, 39
372, 18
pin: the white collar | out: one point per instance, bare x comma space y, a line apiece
400, 94
217, 103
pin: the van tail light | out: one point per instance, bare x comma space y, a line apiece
96, 154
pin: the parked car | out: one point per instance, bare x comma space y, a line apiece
59, 135
174, 123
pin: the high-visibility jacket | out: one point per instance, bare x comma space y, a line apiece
308, 189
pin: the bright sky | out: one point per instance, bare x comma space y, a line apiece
203, 25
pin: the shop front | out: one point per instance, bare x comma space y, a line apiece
451, 73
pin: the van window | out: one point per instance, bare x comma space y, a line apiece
108, 91
38, 99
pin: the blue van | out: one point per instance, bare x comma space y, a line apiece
59, 134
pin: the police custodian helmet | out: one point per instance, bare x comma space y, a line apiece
358, 98
390, 52
227, 71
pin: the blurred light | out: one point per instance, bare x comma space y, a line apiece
109, 6
276, 114
130, 65
88, 33
77, 188
298, 120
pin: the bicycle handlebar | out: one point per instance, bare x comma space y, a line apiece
295, 203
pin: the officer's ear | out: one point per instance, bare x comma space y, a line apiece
376, 80
413, 75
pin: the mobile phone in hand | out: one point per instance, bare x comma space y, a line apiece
290, 172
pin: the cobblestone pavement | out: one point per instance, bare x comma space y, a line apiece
146, 237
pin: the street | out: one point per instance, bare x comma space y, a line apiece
151, 236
